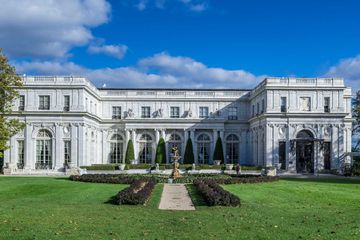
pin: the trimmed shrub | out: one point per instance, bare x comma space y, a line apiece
160, 156
242, 179
158, 178
189, 152
214, 195
138, 166
102, 167
138, 193
355, 169
129, 152
219, 153
105, 178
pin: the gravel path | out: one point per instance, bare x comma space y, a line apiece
175, 197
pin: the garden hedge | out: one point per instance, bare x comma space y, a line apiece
129, 152
214, 195
185, 178
138, 193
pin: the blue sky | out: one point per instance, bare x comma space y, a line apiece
183, 43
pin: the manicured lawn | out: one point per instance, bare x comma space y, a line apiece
56, 208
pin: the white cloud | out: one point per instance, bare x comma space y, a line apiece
196, 6
141, 5
192, 5
159, 70
349, 69
117, 51
47, 28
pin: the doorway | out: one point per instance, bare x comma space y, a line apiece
305, 152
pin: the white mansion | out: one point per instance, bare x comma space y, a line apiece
296, 124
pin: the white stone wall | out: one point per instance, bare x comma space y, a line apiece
89, 124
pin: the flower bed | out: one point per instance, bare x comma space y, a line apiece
158, 178
214, 195
138, 193
106, 178
240, 179
128, 179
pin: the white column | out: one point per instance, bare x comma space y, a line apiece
104, 147
215, 137
291, 156
334, 147
74, 160
163, 133
275, 150
13, 152
30, 151
341, 146
133, 137
59, 145
192, 137
157, 136
81, 145
268, 145
243, 144
223, 144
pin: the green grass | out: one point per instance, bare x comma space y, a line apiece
56, 208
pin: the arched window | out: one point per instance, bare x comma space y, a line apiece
145, 147
116, 149
305, 134
174, 141
232, 149
203, 149
43, 150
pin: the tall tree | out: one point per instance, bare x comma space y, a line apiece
129, 156
9, 83
356, 116
189, 152
219, 153
160, 152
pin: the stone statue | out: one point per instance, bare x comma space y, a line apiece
189, 113
160, 113
176, 157
130, 113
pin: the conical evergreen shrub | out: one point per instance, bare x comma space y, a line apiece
189, 152
129, 152
219, 153
160, 152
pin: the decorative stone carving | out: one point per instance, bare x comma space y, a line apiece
189, 113
327, 131
305, 104
282, 131
129, 113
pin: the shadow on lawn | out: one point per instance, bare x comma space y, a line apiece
195, 196
323, 180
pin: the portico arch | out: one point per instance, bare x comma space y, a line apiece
305, 151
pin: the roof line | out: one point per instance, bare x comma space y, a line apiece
178, 89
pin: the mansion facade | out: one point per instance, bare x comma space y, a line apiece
295, 124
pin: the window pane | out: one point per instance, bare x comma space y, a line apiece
174, 112
66, 103
21, 152
116, 113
